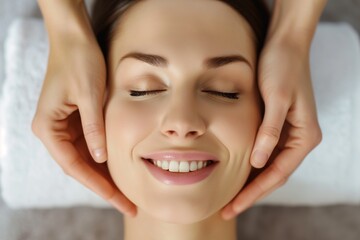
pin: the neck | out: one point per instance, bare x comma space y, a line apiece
144, 226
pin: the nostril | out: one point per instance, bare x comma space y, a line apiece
182, 133
170, 132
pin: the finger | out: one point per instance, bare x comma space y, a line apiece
228, 212
269, 133
91, 112
272, 177
75, 166
57, 140
48, 114
118, 200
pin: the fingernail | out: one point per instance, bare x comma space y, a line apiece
259, 158
99, 153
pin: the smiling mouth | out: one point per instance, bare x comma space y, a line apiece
180, 166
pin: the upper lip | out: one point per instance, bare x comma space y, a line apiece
180, 155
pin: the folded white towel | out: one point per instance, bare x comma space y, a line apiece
30, 178
329, 175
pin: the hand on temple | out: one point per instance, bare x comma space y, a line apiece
290, 129
290, 123
75, 83
74, 86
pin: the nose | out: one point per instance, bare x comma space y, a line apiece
182, 120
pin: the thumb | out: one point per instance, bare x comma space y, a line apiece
269, 133
91, 113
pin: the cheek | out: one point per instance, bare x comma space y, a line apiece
237, 127
128, 123
236, 130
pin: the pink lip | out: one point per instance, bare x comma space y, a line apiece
178, 155
177, 178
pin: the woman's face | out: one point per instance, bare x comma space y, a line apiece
186, 52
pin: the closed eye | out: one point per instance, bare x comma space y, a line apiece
135, 93
224, 94
228, 95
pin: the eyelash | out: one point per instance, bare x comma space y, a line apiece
224, 94
228, 95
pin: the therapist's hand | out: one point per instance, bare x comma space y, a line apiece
74, 87
290, 125
290, 128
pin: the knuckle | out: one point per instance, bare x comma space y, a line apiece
92, 130
34, 127
315, 136
86, 93
66, 170
277, 178
82, 93
318, 136
283, 181
37, 126
278, 96
272, 132
282, 97
260, 187
279, 175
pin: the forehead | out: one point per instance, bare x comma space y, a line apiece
206, 27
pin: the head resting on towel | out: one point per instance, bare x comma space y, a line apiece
181, 78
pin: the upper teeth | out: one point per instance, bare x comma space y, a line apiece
180, 166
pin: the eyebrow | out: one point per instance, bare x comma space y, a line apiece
159, 61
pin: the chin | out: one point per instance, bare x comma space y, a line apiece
181, 215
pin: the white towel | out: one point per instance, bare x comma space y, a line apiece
30, 178
329, 175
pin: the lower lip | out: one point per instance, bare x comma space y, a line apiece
179, 178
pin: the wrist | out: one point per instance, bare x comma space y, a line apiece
66, 17
295, 21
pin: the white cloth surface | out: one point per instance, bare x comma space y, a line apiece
329, 175
30, 178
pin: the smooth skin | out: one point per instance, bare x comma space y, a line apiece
74, 87
184, 116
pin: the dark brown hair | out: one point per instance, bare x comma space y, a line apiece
107, 13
